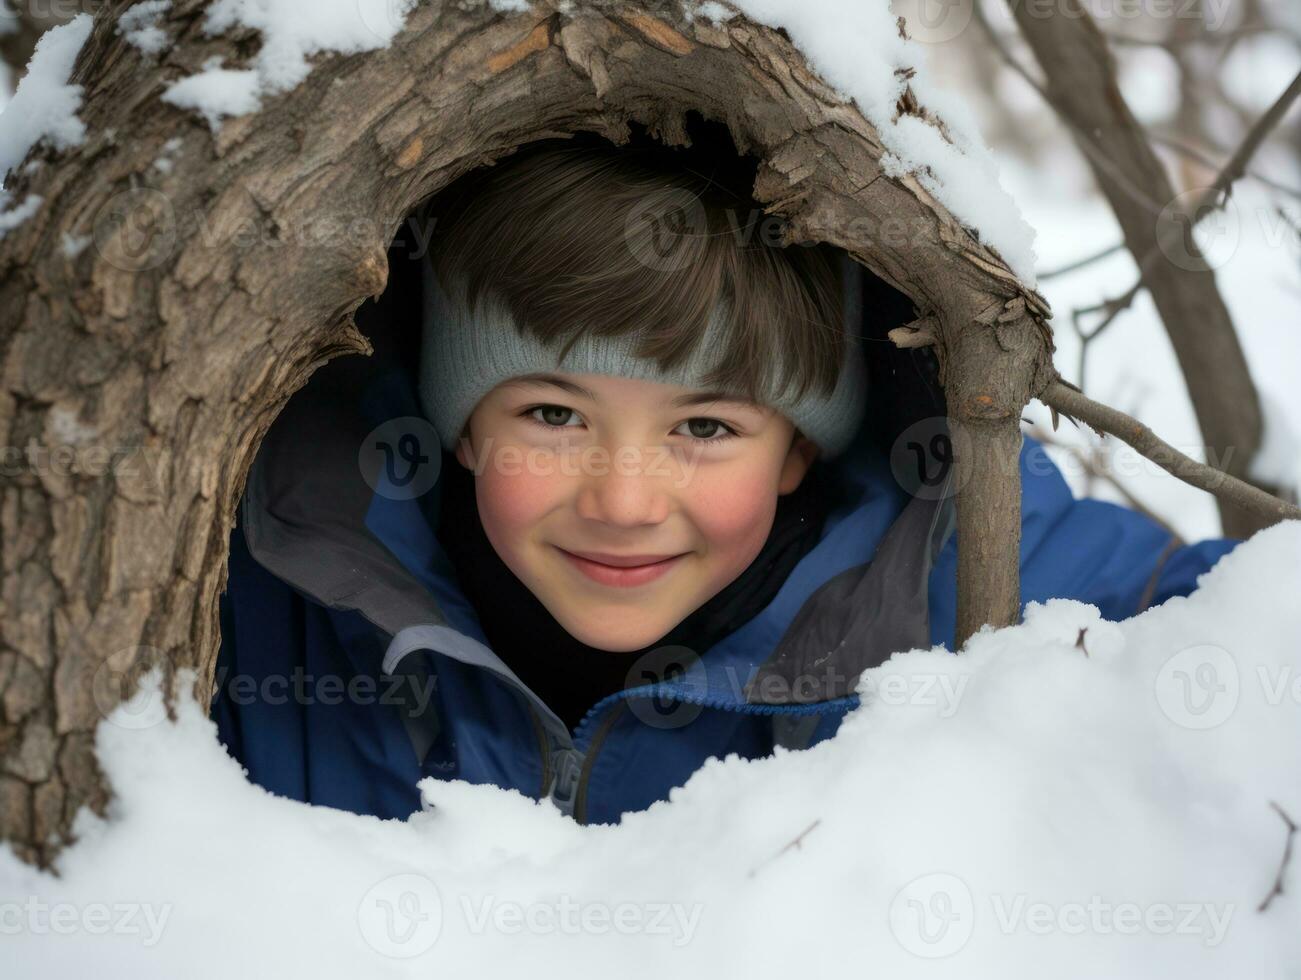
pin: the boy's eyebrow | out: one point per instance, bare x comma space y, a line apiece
681, 401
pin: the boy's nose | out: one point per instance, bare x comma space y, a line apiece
626, 499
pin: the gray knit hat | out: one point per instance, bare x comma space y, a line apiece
465, 354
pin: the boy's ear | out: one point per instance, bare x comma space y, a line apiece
799, 458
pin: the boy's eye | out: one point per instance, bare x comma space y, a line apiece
708, 430
552, 414
701, 428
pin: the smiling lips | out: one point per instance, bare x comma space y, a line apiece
621, 570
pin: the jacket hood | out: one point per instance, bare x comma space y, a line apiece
334, 507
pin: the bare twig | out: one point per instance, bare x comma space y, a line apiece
1090, 464
1193, 153
1086, 140
1208, 201
1071, 402
789, 845
1081, 263
1108, 305
1287, 857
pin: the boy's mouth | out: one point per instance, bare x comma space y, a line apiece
620, 570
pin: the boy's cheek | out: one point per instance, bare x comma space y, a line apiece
733, 511
513, 501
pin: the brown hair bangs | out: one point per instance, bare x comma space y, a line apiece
606, 240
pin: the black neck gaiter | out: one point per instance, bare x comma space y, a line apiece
570, 676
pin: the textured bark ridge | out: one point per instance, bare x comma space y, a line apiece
174, 290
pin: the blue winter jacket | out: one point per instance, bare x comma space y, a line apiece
352, 666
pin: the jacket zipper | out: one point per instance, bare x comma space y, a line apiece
572, 766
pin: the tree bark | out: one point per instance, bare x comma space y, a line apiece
206, 297
1081, 84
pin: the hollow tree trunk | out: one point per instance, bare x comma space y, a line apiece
204, 303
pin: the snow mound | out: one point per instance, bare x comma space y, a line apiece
1068, 797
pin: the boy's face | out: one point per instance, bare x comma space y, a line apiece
618, 467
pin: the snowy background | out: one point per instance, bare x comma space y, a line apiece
1033, 807
1255, 254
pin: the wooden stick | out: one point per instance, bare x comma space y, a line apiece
1072, 402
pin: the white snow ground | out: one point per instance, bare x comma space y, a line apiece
1026, 809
